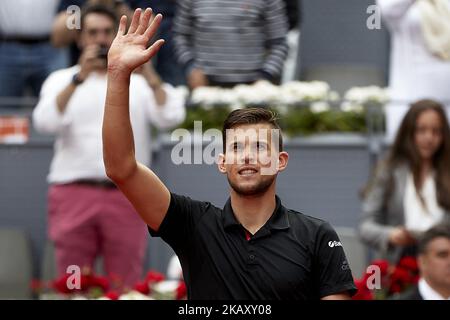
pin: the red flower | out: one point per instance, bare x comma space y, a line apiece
112, 295
154, 276
60, 285
181, 291
363, 292
91, 281
142, 287
409, 263
383, 265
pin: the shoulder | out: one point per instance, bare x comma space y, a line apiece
309, 226
177, 200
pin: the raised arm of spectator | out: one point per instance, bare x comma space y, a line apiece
393, 11
276, 28
140, 185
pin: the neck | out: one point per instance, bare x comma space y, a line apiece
253, 211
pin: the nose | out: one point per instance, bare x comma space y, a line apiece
249, 155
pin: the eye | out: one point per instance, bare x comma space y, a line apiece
261, 146
236, 146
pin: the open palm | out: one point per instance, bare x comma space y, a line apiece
130, 50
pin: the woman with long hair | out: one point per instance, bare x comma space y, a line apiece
410, 191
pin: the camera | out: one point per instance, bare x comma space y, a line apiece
103, 53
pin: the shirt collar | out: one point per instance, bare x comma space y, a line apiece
278, 221
427, 292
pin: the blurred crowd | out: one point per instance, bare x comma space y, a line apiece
51, 50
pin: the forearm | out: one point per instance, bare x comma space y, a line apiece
273, 64
62, 36
63, 98
118, 142
155, 82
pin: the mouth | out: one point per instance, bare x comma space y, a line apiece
247, 171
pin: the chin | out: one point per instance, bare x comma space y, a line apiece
251, 189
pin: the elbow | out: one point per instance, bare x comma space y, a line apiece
119, 173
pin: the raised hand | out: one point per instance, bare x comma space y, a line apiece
130, 50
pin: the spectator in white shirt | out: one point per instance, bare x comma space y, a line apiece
420, 55
88, 215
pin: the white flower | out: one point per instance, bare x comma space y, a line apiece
297, 91
165, 290
350, 106
320, 106
134, 295
366, 94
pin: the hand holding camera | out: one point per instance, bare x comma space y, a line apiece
93, 58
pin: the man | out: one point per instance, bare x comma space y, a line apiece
224, 43
88, 215
62, 36
252, 249
434, 266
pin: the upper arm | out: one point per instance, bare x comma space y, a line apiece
46, 116
62, 36
276, 21
333, 275
148, 195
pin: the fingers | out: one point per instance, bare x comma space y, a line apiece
122, 26
152, 50
151, 30
135, 22
144, 21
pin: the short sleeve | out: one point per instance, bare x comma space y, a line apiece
180, 221
333, 274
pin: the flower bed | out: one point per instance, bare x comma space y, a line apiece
393, 279
304, 107
93, 287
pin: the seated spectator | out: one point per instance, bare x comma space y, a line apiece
26, 55
434, 266
410, 190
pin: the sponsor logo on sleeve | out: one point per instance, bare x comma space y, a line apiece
333, 244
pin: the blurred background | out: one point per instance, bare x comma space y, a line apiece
343, 44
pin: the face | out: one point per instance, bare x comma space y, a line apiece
251, 160
428, 134
98, 29
434, 263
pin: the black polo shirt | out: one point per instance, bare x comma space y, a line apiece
293, 256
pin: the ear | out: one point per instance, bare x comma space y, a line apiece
221, 163
283, 158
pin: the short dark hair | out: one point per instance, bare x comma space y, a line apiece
440, 230
251, 116
98, 9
